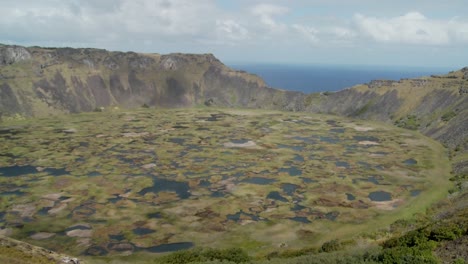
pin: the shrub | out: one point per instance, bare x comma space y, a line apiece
409, 122
447, 116
413, 238
332, 245
446, 232
235, 255
414, 255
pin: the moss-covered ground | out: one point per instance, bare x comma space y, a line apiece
144, 181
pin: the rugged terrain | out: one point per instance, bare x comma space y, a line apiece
261, 180
39, 82
42, 81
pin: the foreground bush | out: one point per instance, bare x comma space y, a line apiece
234, 255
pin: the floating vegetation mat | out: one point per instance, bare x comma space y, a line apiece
121, 182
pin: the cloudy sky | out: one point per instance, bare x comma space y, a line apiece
371, 32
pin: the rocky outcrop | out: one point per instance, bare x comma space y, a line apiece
75, 80
13, 54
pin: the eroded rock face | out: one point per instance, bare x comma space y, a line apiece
13, 54
9, 103
67, 80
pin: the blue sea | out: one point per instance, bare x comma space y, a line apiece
320, 78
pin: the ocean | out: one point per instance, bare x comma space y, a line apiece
320, 78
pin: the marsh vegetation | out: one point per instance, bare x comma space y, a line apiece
151, 181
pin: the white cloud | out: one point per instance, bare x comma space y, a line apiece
343, 33
252, 26
107, 20
175, 17
411, 28
232, 30
308, 33
267, 13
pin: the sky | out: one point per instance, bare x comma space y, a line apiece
420, 33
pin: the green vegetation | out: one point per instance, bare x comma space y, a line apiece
411, 122
364, 109
447, 116
417, 246
234, 255
276, 185
14, 256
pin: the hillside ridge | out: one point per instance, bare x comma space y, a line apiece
42, 81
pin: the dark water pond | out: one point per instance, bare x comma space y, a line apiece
380, 196
342, 164
298, 207
331, 140
118, 237
301, 219
292, 171
293, 147
363, 164
154, 215
114, 200
181, 188
141, 231
289, 188
259, 180
308, 180
171, 247
308, 140
410, 162
218, 194
15, 192
379, 167
350, 197
337, 130
372, 179
94, 174
44, 211
332, 215
204, 183
298, 158
14, 171
178, 141
366, 138
236, 217
276, 196
55, 172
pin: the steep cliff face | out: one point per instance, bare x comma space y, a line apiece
437, 105
37, 81
40, 81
